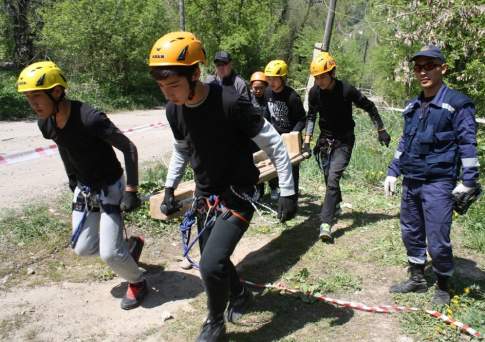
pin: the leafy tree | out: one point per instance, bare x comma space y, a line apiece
402, 27
106, 42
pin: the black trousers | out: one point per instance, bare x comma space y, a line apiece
217, 244
339, 158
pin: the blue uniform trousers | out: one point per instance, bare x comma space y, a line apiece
426, 213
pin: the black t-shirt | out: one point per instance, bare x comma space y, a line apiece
285, 110
335, 108
85, 144
218, 133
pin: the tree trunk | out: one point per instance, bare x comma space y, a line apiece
23, 50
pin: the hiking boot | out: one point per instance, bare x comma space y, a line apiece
415, 283
325, 232
275, 194
135, 246
212, 330
134, 295
238, 305
441, 295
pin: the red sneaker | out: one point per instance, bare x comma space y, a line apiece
134, 295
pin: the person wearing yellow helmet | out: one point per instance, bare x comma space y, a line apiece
214, 128
85, 138
285, 110
333, 99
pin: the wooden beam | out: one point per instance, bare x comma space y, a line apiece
185, 191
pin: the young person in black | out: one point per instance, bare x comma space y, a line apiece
285, 109
213, 129
333, 99
85, 138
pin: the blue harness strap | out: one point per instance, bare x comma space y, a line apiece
211, 207
88, 206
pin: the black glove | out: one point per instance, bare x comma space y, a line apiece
169, 204
287, 207
130, 201
463, 200
383, 137
307, 149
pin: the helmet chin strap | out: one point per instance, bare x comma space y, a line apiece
192, 85
56, 104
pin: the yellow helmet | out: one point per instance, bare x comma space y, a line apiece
258, 76
276, 68
177, 48
40, 76
323, 62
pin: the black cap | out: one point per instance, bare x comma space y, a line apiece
431, 51
222, 56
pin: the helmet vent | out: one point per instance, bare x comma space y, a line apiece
40, 81
183, 54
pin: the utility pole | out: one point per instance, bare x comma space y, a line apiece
329, 25
181, 15
324, 46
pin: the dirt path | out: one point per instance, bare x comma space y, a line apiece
41, 179
90, 311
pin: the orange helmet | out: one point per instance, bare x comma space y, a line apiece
323, 62
177, 49
258, 76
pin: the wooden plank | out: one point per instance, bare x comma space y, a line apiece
185, 191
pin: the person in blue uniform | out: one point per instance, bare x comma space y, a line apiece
438, 146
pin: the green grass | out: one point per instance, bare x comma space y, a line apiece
368, 251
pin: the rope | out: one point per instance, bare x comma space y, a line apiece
375, 309
255, 203
190, 218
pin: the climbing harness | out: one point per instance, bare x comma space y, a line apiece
87, 201
323, 153
203, 208
207, 210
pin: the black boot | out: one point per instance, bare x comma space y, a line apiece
441, 295
415, 283
213, 330
238, 305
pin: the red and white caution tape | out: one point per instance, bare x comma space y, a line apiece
377, 309
50, 150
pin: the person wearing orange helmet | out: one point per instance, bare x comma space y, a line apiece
85, 138
285, 110
214, 128
332, 99
258, 83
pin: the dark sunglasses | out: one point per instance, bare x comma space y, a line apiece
221, 64
426, 67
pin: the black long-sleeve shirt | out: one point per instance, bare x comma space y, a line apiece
285, 109
335, 108
85, 145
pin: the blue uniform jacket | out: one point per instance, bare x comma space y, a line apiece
438, 140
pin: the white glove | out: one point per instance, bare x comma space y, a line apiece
460, 188
390, 185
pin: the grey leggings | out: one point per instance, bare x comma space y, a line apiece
102, 233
